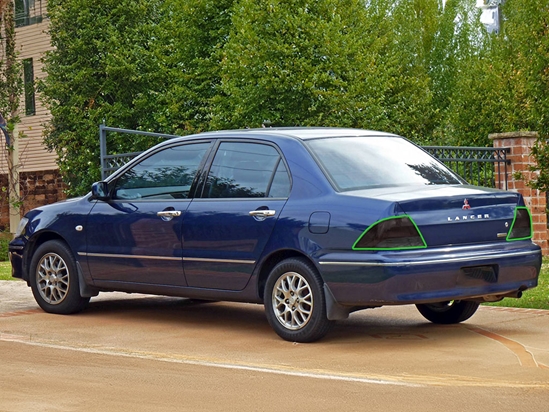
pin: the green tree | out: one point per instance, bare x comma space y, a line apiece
412, 67
464, 78
198, 29
523, 55
10, 92
409, 29
324, 63
10, 69
149, 65
108, 64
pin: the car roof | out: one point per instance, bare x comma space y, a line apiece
302, 133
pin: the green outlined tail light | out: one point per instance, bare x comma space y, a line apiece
521, 228
393, 233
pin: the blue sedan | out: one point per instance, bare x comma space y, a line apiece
314, 223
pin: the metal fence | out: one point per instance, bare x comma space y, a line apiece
480, 166
112, 162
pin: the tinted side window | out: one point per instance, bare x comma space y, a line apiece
242, 170
167, 174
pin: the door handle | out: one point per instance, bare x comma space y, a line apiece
168, 215
262, 213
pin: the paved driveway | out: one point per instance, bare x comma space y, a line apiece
155, 353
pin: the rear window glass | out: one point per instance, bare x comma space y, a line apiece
353, 163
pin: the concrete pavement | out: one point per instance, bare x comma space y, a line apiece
497, 360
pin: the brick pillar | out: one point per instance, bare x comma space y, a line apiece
520, 145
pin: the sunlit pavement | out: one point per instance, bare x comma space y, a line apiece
224, 356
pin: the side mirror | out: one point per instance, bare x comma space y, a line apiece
100, 191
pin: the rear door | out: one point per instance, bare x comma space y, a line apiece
227, 228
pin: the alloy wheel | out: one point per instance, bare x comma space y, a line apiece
292, 301
52, 278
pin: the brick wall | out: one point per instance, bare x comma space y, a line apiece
37, 189
520, 145
40, 188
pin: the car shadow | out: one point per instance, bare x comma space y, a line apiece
369, 325
181, 311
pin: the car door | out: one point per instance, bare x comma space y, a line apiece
136, 235
227, 228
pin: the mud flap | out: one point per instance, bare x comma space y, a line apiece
334, 311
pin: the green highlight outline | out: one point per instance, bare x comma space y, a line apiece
513, 239
391, 248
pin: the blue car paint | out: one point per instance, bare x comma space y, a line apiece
315, 221
133, 228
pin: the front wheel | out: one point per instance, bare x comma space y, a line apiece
54, 279
295, 303
448, 312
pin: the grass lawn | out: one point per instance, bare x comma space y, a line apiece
537, 298
5, 271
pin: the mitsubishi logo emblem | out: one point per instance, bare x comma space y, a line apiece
466, 205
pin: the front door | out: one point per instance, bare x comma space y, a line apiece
136, 236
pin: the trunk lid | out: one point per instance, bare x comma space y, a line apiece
456, 215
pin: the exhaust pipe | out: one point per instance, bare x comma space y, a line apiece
517, 294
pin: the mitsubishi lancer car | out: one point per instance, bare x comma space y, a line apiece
313, 223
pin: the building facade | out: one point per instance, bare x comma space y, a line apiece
35, 167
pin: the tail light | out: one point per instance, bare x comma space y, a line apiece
521, 228
393, 233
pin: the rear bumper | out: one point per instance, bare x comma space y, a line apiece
431, 275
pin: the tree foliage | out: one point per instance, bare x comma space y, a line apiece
10, 92
522, 57
108, 65
413, 67
138, 64
10, 68
324, 63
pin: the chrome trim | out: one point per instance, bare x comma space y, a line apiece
169, 213
434, 261
114, 255
188, 259
262, 213
246, 262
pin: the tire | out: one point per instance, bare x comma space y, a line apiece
446, 313
54, 279
295, 303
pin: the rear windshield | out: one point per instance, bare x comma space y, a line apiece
353, 163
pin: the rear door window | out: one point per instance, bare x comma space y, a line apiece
247, 170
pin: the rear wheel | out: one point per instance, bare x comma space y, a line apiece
449, 312
54, 279
295, 302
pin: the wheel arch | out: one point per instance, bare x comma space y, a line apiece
34, 243
272, 260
